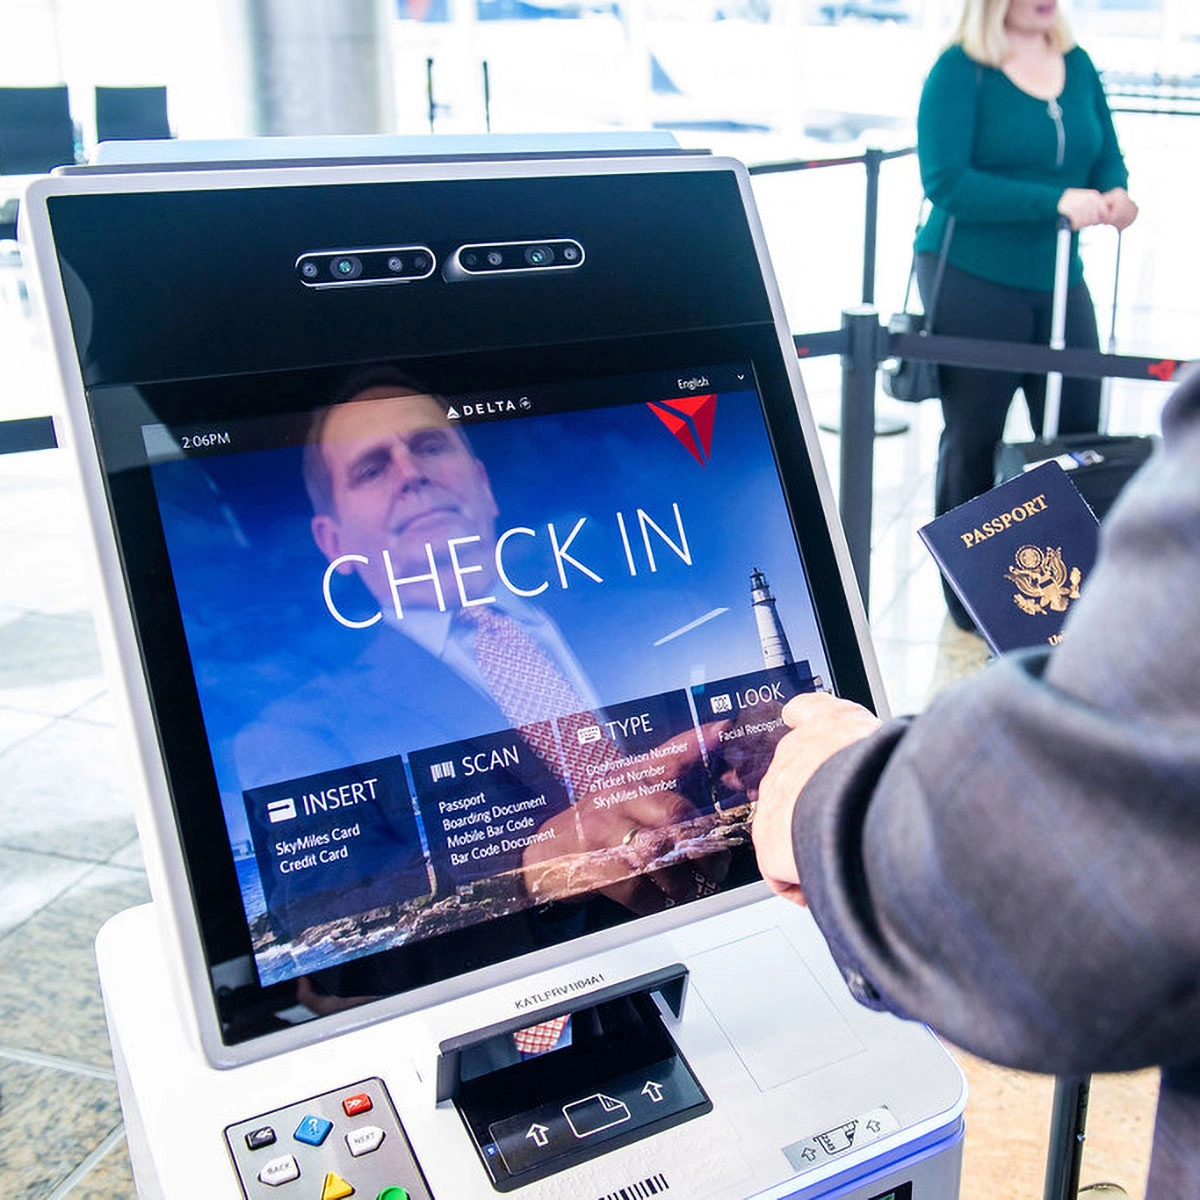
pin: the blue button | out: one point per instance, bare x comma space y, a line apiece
312, 1130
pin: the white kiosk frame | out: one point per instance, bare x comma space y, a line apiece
810, 1094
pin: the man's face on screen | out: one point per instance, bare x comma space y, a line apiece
401, 479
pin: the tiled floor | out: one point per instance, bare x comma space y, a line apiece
69, 855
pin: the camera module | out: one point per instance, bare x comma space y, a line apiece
361, 266
476, 260
346, 266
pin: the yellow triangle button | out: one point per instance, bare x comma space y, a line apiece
336, 1188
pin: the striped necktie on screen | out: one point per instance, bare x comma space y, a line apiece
530, 689
524, 682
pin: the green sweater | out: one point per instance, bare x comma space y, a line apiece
992, 155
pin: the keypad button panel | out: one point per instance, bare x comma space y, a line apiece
347, 1137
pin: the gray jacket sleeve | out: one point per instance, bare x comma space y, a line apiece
1019, 866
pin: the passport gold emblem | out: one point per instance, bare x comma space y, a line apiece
1043, 580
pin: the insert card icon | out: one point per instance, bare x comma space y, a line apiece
594, 1114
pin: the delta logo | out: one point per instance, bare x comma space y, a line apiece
690, 419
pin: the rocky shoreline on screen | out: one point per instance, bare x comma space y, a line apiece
559, 879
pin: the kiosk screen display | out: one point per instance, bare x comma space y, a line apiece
458, 656
466, 606
472, 672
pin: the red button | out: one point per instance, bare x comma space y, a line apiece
357, 1104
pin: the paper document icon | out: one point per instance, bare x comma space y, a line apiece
594, 1113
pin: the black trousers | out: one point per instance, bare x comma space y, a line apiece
975, 403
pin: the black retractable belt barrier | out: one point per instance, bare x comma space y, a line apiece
860, 366
27, 433
871, 160
864, 342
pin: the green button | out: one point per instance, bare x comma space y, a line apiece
393, 1193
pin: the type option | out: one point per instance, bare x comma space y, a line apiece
642, 755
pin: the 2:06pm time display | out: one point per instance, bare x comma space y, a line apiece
205, 440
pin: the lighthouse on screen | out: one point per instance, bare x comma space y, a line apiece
775, 648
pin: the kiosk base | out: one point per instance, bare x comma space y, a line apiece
811, 1095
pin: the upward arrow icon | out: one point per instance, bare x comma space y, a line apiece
653, 1090
539, 1133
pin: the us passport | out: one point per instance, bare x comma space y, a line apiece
1017, 556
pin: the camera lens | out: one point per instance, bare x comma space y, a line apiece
570, 253
420, 262
470, 259
539, 256
309, 270
494, 258
395, 263
346, 266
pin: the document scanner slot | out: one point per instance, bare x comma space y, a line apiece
611, 1075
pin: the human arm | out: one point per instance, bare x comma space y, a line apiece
946, 127
819, 726
1016, 866
1109, 175
1122, 212
1108, 171
1083, 207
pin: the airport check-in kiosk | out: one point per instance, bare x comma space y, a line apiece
464, 530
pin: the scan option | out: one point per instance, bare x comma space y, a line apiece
337, 843
752, 705
485, 800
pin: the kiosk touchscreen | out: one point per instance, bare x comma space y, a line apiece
464, 533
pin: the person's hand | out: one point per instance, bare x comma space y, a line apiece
821, 725
1083, 207
1122, 212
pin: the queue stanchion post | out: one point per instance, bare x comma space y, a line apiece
1068, 1121
871, 160
885, 426
865, 338
430, 103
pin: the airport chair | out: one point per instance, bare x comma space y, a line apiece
36, 131
131, 114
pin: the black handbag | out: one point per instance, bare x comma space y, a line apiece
914, 380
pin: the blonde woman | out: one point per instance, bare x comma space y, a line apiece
1013, 132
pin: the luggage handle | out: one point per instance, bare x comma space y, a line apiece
1106, 383
1058, 329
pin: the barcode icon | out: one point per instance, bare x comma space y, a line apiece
281, 810
444, 770
655, 1185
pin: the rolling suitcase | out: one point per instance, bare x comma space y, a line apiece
1100, 464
